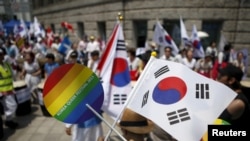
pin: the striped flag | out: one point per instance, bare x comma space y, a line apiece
166, 94
114, 73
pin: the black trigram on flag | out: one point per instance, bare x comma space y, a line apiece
178, 116
160, 39
161, 71
145, 99
202, 91
119, 99
120, 45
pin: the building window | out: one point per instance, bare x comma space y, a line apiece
41, 3
102, 30
173, 29
213, 29
140, 32
80, 29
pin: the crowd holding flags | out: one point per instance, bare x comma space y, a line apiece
165, 92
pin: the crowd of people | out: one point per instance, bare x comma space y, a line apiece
34, 61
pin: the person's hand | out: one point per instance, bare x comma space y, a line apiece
100, 139
68, 131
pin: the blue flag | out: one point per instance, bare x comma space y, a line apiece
65, 45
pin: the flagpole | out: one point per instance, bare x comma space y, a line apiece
130, 96
98, 115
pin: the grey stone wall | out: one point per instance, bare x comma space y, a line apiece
235, 15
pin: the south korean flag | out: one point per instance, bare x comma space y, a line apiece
179, 100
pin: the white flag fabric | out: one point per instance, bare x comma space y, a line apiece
15, 30
222, 42
179, 100
22, 29
185, 40
114, 73
198, 49
162, 38
38, 29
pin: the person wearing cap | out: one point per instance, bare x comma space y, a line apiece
73, 58
50, 65
74, 48
92, 45
7, 92
238, 111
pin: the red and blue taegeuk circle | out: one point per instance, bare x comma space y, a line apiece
168, 39
120, 74
169, 90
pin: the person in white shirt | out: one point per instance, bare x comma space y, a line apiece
212, 49
92, 45
93, 62
167, 54
189, 60
204, 66
133, 63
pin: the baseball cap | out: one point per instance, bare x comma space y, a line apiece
74, 54
232, 71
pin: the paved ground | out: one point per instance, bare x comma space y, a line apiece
37, 127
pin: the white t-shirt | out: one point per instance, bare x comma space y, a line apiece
190, 64
135, 64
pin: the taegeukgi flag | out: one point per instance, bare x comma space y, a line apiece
114, 73
179, 100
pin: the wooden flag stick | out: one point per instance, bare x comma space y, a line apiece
98, 115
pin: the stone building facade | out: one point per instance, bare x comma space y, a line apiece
98, 17
15, 9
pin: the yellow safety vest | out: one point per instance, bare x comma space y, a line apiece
6, 81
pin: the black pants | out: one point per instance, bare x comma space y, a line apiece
1, 120
1, 124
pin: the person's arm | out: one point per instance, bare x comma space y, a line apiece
38, 72
236, 108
